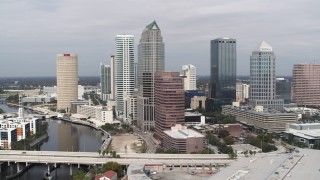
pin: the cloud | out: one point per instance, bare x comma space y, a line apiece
32, 32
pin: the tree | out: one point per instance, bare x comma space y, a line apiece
103, 152
1, 111
250, 152
254, 152
228, 140
114, 166
223, 134
245, 153
79, 175
99, 152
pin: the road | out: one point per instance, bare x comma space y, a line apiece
151, 144
95, 158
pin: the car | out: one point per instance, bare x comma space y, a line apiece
153, 172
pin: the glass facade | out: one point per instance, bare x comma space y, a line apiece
124, 69
263, 78
105, 79
150, 60
223, 69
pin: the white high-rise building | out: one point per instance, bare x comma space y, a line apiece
189, 74
67, 80
124, 69
263, 78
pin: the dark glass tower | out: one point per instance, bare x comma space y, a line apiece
223, 65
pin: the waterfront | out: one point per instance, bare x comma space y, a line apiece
63, 136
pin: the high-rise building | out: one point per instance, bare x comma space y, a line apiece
223, 70
67, 80
112, 95
305, 84
124, 69
242, 92
150, 60
263, 78
169, 101
283, 89
105, 80
189, 74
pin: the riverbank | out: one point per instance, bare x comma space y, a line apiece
106, 138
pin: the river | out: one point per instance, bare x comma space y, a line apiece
63, 136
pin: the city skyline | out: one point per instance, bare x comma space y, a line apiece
188, 28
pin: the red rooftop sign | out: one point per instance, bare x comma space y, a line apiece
66, 54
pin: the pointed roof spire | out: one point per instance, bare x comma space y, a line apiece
153, 26
263, 46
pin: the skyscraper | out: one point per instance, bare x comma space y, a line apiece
305, 84
169, 101
150, 60
67, 80
223, 70
263, 78
105, 80
112, 95
189, 74
124, 69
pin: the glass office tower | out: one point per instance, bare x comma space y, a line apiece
223, 70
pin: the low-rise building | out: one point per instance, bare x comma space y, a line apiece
102, 114
183, 140
308, 133
272, 121
108, 175
7, 136
198, 102
38, 99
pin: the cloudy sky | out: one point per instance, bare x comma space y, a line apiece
32, 32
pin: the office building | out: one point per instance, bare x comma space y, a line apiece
130, 112
305, 84
198, 102
183, 140
189, 75
169, 101
263, 78
67, 80
112, 61
259, 119
223, 66
105, 80
242, 93
189, 94
283, 89
124, 69
150, 60
98, 114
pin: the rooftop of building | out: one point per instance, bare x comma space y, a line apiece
244, 147
183, 133
263, 46
153, 26
109, 174
301, 164
265, 112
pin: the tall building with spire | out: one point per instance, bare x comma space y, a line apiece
223, 66
124, 70
150, 60
263, 78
